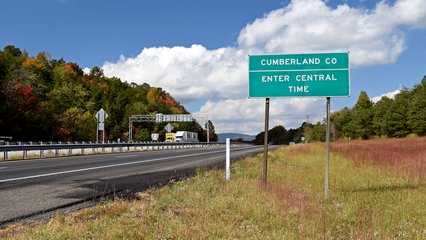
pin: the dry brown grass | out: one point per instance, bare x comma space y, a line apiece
295, 202
405, 156
366, 202
302, 149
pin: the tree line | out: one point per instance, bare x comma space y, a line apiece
388, 118
54, 100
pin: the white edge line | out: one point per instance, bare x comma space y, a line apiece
126, 156
101, 167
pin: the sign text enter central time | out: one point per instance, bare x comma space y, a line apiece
299, 78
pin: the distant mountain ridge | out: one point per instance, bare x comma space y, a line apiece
223, 136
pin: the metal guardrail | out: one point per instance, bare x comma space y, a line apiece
67, 148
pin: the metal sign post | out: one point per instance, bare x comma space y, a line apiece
97, 129
130, 129
265, 152
327, 158
103, 136
208, 131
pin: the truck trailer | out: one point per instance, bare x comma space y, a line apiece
185, 136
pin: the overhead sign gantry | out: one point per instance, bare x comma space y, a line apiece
160, 118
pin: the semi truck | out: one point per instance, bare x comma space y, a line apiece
185, 136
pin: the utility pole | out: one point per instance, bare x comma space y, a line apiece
208, 130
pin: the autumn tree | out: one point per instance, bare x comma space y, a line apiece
417, 109
381, 108
361, 124
395, 121
277, 135
78, 125
51, 99
212, 132
340, 120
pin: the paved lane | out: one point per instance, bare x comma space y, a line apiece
30, 187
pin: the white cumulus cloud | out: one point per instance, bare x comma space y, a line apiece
372, 36
187, 73
390, 95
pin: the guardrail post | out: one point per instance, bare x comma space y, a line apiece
24, 152
41, 150
69, 149
57, 150
5, 153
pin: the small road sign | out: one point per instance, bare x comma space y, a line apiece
168, 127
101, 115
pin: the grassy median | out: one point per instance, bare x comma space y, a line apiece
368, 200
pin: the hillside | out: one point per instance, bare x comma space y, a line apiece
233, 136
51, 99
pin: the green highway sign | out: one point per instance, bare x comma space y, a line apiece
299, 75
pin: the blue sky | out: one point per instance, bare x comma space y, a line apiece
91, 32
171, 44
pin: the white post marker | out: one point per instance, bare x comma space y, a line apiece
228, 159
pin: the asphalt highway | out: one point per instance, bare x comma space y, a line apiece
30, 188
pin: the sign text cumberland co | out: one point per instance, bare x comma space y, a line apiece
299, 75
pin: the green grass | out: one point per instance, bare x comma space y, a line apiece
365, 202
